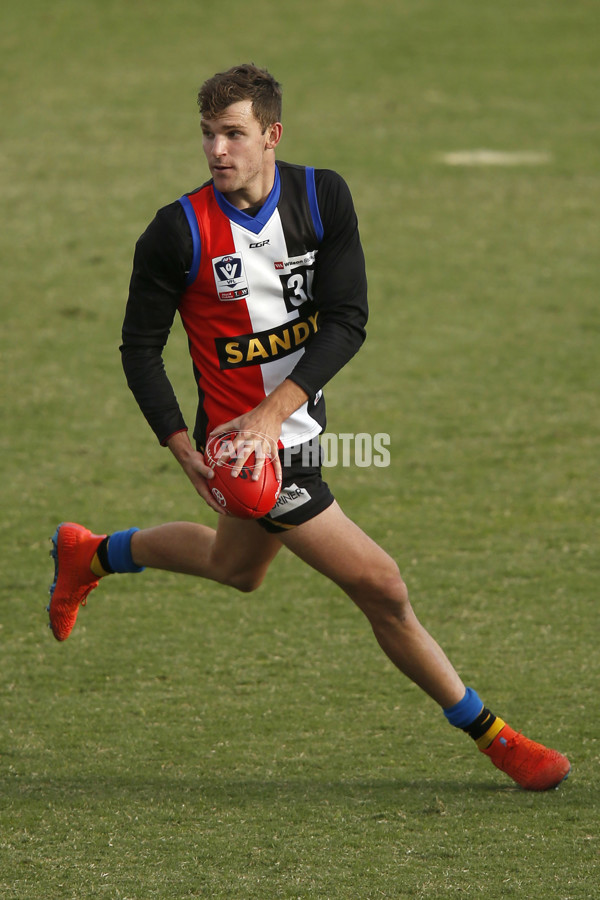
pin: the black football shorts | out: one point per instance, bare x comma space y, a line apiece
304, 494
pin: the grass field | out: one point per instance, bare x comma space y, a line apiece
190, 742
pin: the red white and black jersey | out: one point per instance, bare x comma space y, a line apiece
264, 295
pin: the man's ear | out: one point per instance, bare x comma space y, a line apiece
273, 135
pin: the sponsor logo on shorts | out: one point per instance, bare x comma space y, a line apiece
291, 497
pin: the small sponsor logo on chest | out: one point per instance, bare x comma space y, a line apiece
307, 260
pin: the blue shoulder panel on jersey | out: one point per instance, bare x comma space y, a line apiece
193, 223
256, 223
313, 202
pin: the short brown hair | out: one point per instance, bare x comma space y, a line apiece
245, 82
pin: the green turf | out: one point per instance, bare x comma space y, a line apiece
190, 742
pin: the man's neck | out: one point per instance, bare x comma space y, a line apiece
255, 195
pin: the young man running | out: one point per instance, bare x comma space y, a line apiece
265, 266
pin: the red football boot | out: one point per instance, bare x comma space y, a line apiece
533, 766
73, 548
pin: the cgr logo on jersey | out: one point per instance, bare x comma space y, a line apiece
230, 277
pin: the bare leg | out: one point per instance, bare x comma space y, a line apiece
336, 546
237, 553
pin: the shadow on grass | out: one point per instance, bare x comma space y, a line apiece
241, 793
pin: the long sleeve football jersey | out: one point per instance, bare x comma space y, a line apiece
264, 295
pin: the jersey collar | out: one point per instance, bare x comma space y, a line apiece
256, 223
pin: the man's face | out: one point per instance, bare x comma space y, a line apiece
237, 151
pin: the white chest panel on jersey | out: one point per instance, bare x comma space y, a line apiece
277, 287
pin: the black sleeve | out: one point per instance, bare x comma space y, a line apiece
340, 287
162, 258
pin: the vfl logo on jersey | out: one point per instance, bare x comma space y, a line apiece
265, 346
230, 277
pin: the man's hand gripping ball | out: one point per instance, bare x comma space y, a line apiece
233, 486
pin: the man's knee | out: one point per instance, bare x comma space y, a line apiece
382, 594
245, 581
241, 571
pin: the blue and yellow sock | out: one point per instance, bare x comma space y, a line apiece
113, 554
475, 719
